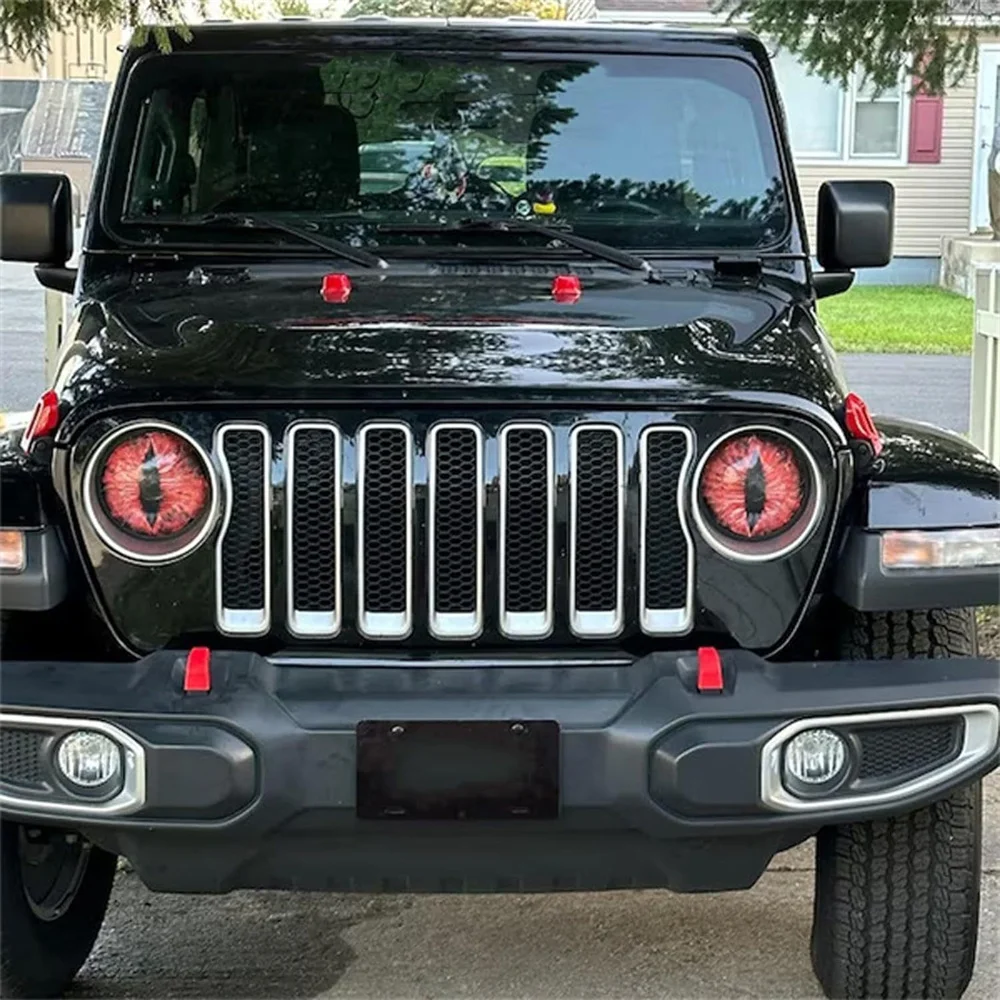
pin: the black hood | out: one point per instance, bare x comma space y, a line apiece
245, 333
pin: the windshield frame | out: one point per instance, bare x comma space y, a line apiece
115, 174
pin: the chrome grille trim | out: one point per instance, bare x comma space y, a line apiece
583, 622
243, 621
455, 624
665, 621
526, 624
313, 623
381, 624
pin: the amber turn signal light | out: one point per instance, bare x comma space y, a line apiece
13, 552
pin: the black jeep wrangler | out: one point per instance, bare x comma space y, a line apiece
446, 486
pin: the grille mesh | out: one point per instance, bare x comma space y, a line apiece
666, 551
314, 503
527, 521
890, 751
386, 503
20, 757
243, 546
456, 523
597, 520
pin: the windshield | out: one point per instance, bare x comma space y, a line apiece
645, 152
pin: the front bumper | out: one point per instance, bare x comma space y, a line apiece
254, 783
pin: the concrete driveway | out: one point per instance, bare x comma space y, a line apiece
620, 944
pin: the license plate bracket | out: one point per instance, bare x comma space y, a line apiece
452, 770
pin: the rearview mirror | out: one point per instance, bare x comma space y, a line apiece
854, 224
36, 218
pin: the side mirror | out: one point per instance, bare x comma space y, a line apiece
854, 224
36, 218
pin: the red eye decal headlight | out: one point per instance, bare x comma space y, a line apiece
153, 485
757, 495
151, 493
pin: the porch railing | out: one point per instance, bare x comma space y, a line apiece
985, 415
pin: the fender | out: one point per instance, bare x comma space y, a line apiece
926, 480
929, 478
27, 505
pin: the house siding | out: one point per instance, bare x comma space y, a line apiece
932, 199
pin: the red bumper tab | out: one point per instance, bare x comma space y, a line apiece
710, 670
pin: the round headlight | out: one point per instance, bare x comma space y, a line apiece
757, 494
151, 493
89, 760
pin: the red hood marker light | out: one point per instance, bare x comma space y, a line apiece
336, 288
566, 288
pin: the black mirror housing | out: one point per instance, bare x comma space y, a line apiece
854, 224
36, 218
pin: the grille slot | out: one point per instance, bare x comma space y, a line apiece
21, 758
455, 530
313, 556
385, 530
527, 501
666, 559
243, 553
597, 530
892, 751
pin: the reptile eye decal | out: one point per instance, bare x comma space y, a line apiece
753, 486
153, 485
151, 493
757, 495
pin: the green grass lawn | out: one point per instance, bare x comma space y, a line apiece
899, 319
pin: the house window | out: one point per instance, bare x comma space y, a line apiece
877, 129
829, 122
814, 108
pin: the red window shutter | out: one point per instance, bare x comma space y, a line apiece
926, 117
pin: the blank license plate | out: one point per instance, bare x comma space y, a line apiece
458, 770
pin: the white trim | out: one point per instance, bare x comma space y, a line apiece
982, 130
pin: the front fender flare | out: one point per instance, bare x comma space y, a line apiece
926, 479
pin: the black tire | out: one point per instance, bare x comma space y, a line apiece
896, 909
41, 950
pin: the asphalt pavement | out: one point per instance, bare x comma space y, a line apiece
607, 945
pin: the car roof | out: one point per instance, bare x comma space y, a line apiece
472, 33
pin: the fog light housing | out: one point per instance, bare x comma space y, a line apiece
90, 762
816, 761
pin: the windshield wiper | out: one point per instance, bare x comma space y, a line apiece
339, 248
602, 251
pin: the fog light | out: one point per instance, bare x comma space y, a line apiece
89, 760
815, 761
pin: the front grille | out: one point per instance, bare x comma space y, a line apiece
385, 531
21, 758
313, 556
894, 751
243, 563
527, 492
666, 550
455, 530
519, 532
597, 530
